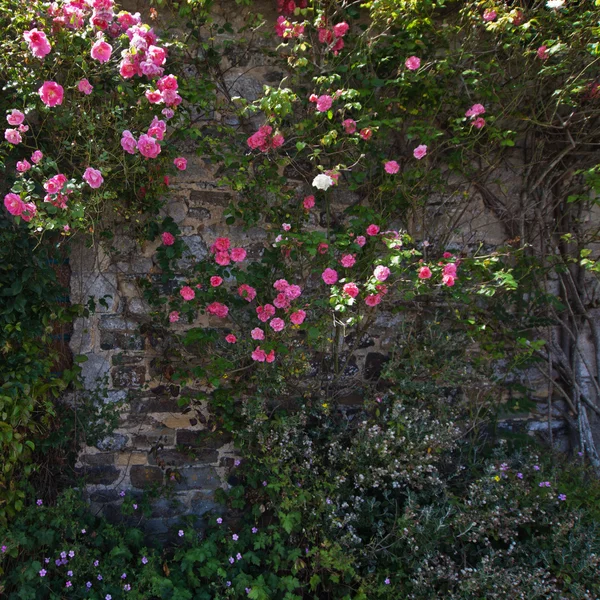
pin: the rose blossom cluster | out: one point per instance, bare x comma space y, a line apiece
448, 271
474, 112
333, 36
224, 254
265, 140
287, 7
288, 29
17, 207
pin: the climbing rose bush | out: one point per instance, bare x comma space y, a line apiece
87, 122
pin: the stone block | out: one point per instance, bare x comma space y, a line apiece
115, 442
204, 198
202, 439
175, 421
198, 478
374, 364
125, 459
94, 460
102, 475
120, 341
104, 496
165, 508
117, 323
173, 458
99, 287
160, 435
128, 376
94, 370
155, 404
145, 477
202, 503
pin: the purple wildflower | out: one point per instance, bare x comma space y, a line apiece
43, 573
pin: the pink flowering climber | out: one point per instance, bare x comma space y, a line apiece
257, 334
16, 117
475, 111
372, 229
247, 292
391, 167
329, 276
366, 133
479, 122
168, 239
351, 289
373, 300
218, 309
420, 151
308, 202
292, 292
180, 163
51, 93
349, 125
361, 240
173, 317
264, 313
347, 261
277, 324
128, 142
55, 184
38, 43
341, 29
412, 63
324, 103
85, 87
187, 293
93, 177
13, 204
216, 281
270, 357
238, 254
23, 166
259, 354
381, 273
12, 136
36, 157
230, 338
542, 53
424, 273
148, 146
489, 15
101, 51
297, 318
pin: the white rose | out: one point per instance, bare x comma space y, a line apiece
322, 182
555, 3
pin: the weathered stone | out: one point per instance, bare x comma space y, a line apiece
103, 496
128, 377
101, 288
202, 214
122, 358
144, 477
126, 459
177, 421
155, 404
173, 458
120, 341
203, 198
202, 439
167, 507
203, 503
374, 364
103, 475
115, 442
95, 460
200, 478
94, 371
117, 323
160, 435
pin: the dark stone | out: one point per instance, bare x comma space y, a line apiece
116, 323
159, 390
128, 377
202, 439
352, 399
117, 441
99, 475
96, 460
167, 507
123, 341
199, 478
202, 214
200, 198
162, 436
202, 503
143, 477
173, 458
126, 359
351, 368
153, 404
374, 364
104, 496
366, 341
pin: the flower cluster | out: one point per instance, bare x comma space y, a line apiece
264, 139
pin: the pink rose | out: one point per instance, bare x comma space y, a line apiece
128, 142
381, 273
348, 261
23, 166
257, 334
12, 136
447, 255
187, 293
365, 134
329, 276
351, 289
168, 82
281, 301
297, 318
247, 292
420, 151
55, 184
542, 53
230, 339
259, 355
157, 55
23, 128
216, 281
424, 273
308, 202
449, 269
36, 157
148, 146
238, 254
171, 98
218, 309
221, 245
373, 300
322, 248
281, 285
14, 205
168, 239
51, 93
324, 103
180, 163
475, 111
286, 226
412, 63
361, 240
277, 324
349, 125
270, 357
85, 87
489, 14
38, 43
340, 29
292, 292
372, 229
29, 212
264, 313
101, 51
448, 280
479, 122
154, 97
222, 258
16, 117
93, 178
127, 69
169, 113
173, 316
391, 167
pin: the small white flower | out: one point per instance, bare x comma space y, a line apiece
555, 3
322, 182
